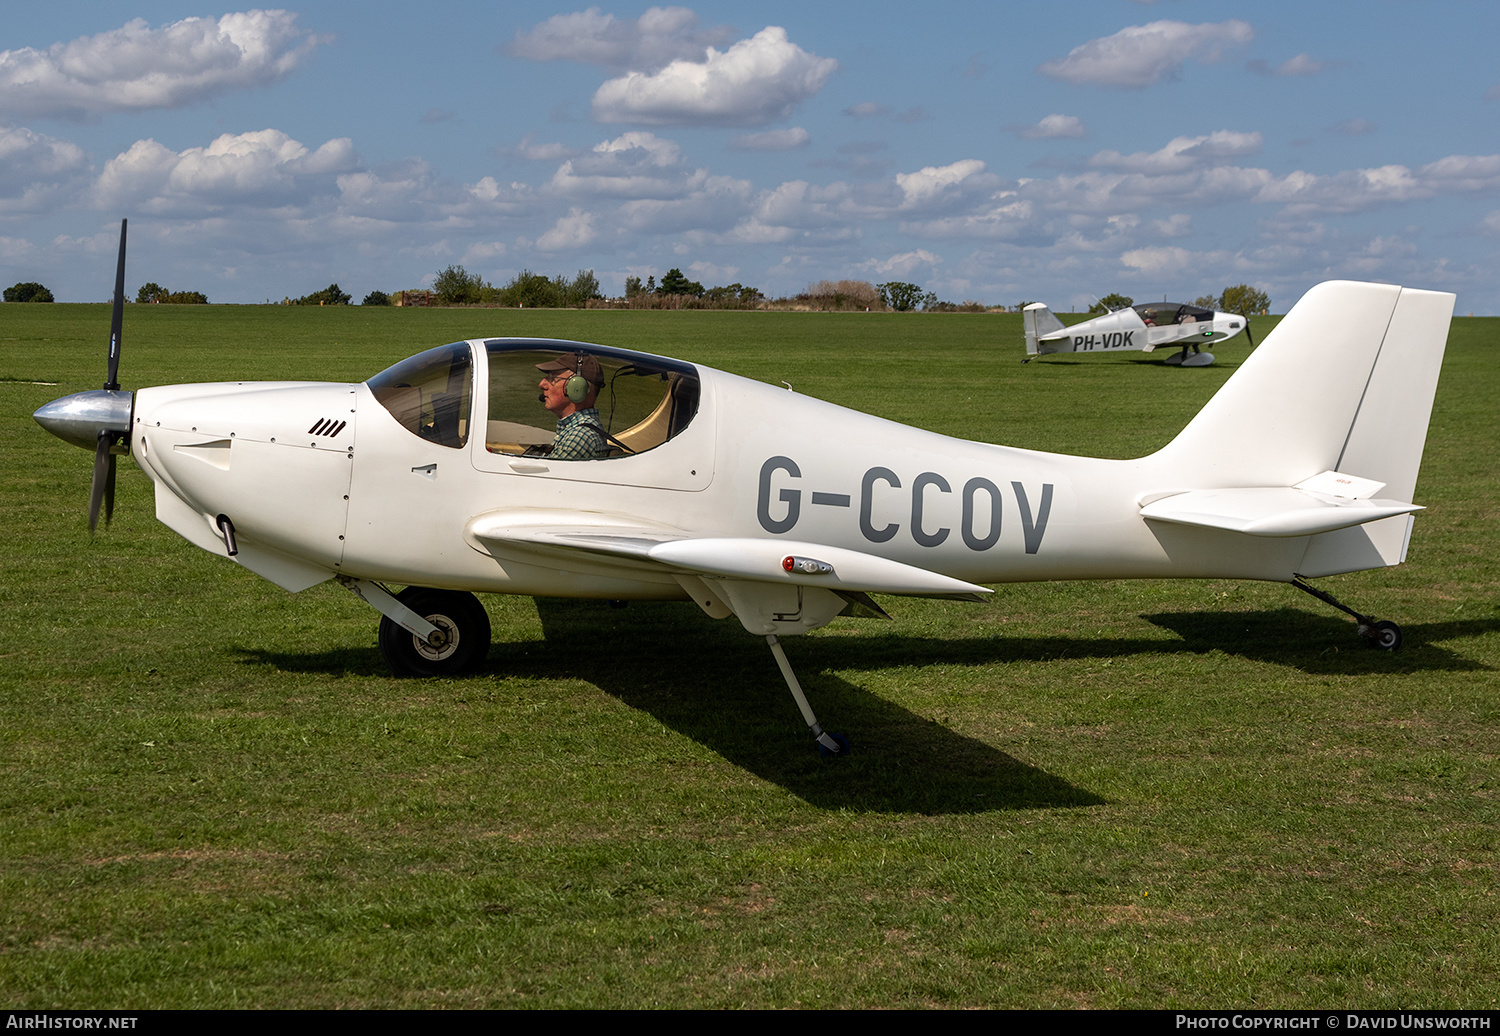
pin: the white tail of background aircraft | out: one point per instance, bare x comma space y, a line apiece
1039, 322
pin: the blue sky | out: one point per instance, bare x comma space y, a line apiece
994, 152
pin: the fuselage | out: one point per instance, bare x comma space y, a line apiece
1146, 327
321, 480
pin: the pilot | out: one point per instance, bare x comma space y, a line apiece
569, 388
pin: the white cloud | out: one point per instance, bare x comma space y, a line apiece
394, 194
1175, 225
756, 232
901, 265
646, 147
575, 230
712, 273
1462, 173
1103, 193
1301, 65
483, 251
772, 140
710, 204
798, 203
261, 169
1161, 260
867, 110
1005, 219
660, 36
1356, 190
1349, 191
136, 68
16, 249
755, 81
532, 151
489, 192
1139, 55
1053, 127
36, 169
933, 184
637, 164
1183, 153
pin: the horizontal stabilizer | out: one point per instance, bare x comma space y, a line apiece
761, 560
1272, 511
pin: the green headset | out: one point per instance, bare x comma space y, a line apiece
577, 386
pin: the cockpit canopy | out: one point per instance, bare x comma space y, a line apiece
1160, 314
645, 400
429, 393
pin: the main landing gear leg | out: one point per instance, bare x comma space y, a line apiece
1381, 633
828, 744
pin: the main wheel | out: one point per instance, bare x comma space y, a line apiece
459, 616
841, 740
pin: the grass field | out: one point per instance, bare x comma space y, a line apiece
1121, 794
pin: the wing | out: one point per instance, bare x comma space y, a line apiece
777, 561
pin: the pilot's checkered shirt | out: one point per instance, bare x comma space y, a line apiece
580, 436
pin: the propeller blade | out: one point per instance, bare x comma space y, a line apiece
109, 492
1248, 336
117, 318
104, 480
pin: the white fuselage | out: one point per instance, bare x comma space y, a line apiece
1125, 329
320, 480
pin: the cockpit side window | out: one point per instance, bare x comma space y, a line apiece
1160, 314
641, 404
429, 394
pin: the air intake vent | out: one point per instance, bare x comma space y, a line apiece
327, 426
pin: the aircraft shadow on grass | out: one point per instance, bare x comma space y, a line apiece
1319, 644
707, 681
704, 680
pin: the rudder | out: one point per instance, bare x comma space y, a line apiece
1345, 379
1038, 322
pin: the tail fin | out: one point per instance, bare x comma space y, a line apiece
1344, 383
1039, 322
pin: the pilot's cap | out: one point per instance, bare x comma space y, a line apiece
579, 363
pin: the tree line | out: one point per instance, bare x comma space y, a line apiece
154, 293
456, 286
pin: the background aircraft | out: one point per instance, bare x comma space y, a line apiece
753, 501
1146, 326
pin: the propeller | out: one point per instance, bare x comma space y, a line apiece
117, 315
1248, 336
103, 486
99, 420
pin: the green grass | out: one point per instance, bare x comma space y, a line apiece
1120, 794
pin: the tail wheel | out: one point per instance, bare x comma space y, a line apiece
459, 617
1385, 635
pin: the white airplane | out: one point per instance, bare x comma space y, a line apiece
754, 501
1146, 326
